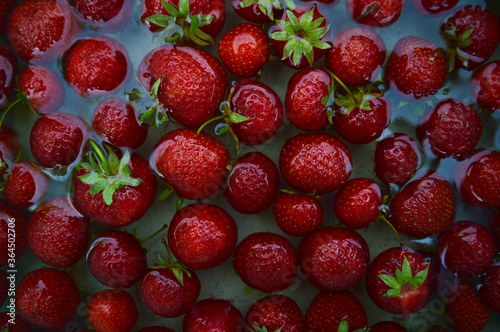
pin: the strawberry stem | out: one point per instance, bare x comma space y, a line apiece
367, 12
102, 157
146, 239
393, 228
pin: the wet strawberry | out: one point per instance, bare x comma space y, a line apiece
275, 313
8, 70
490, 287
193, 164
334, 259
433, 7
107, 16
484, 86
12, 219
26, 185
375, 13
387, 326
43, 88
253, 183
258, 11
112, 310
244, 50
47, 298
315, 163
213, 315
13, 323
5, 8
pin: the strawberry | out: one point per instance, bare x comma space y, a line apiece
195, 21
490, 287
331, 311
375, 13
356, 55
57, 139
10, 148
244, 50
117, 123
259, 11
397, 158
202, 236
8, 70
358, 202
484, 86
433, 7
5, 8
213, 315
334, 259
114, 191
193, 99
43, 89
108, 16
16, 325
472, 35
96, 66
397, 281
465, 308
416, 68
424, 207
315, 163
47, 298
253, 183
112, 310
387, 326
116, 259
477, 179
193, 164
155, 329
41, 30
450, 129
26, 185
467, 249
296, 214
305, 94
12, 221
275, 313
266, 261
300, 37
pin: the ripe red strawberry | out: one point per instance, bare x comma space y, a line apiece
192, 99
296, 214
397, 281
433, 7
96, 66
305, 94
275, 313
357, 203
330, 311
117, 123
193, 164
17, 325
300, 37
425, 206
484, 86
26, 185
387, 326
266, 261
156, 329
108, 16
397, 158
450, 129
334, 259
244, 50
253, 183
43, 88
10, 148
477, 179
213, 315
490, 287
114, 191
40, 30
58, 233
112, 310
375, 13
356, 55
465, 308
467, 249
315, 163
5, 8
52, 308
11, 217
8, 70
57, 139
258, 11
116, 259
202, 236
416, 68
472, 35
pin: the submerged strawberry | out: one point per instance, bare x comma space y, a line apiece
490, 287
108, 16
112, 310
43, 89
433, 7
375, 13
8, 70
8, 214
26, 185
260, 11
275, 313
213, 315
484, 86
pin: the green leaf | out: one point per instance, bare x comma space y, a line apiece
179, 275
248, 290
107, 194
184, 8
279, 35
98, 187
463, 38
155, 87
389, 280
146, 115
221, 129
160, 20
290, 4
306, 18
89, 178
406, 268
170, 9
246, 3
236, 117
343, 326
166, 193
393, 292
194, 23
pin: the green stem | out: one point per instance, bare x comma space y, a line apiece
220, 117
102, 156
367, 12
401, 243
340, 83
169, 254
7, 110
146, 239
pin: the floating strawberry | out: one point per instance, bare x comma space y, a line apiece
112, 310
8, 70
244, 50
107, 16
11, 218
43, 89
113, 189
26, 185
387, 326
315, 163
433, 7
213, 315
300, 37
334, 259
490, 287
266, 261
193, 164
416, 68
260, 11
202, 236
253, 183
275, 313
484, 86
52, 308
375, 13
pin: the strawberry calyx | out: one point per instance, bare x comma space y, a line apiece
267, 6
454, 43
256, 328
181, 26
160, 116
301, 36
178, 269
107, 172
344, 327
404, 279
